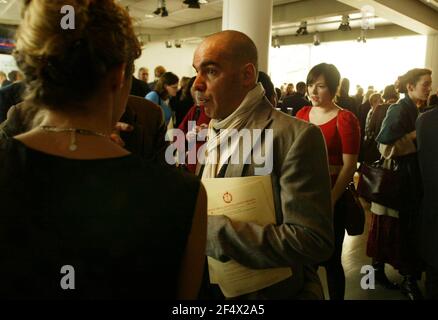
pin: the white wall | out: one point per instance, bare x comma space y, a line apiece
431, 59
176, 60
378, 62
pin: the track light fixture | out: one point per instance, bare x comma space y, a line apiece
276, 42
302, 30
161, 9
168, 44
177, 43
193, 4
345, 23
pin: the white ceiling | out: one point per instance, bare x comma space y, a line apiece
180, 15
431, 3
10, 11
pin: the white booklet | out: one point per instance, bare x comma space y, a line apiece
246, 199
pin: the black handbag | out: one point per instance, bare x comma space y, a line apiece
380, 185
354, 212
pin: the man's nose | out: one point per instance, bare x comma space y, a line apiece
199, 83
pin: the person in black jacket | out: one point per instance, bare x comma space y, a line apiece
139, 88
297, 100
427, 131
9, 96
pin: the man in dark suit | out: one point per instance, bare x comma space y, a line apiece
297, 100
158, 72
147, 137
427, 133
139, 88
9, 96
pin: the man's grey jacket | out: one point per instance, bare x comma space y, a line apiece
303, 236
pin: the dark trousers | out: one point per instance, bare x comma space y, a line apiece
333, 266
431, 282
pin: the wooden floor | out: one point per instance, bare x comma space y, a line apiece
353, 258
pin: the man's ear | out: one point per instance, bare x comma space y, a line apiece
249, 74
410, 87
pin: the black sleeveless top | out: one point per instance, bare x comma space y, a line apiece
122, 224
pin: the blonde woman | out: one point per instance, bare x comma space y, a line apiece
81, 216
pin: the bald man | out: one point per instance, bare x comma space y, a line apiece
302, 237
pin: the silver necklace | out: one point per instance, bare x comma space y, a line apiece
73, 146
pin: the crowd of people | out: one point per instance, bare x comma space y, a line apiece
85, 182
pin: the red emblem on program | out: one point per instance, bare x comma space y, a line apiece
227, 197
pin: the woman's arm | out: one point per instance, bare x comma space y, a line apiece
345, 176
192, 265
403, 146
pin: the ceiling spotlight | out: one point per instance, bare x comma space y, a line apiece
161, 9
168, 44
193, 4
316, 39
276, 42
362, 37
345, 23
164, 12
177, 43
302, 30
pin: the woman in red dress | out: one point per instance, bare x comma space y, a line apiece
342, 136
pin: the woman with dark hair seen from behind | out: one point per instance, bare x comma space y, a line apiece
72, 197
183, 101
369, 146
341, 131
390, 96
393, 234
268, 86
343, 98
166, 87
373, 124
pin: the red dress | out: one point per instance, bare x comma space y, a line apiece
200, 118
341, 134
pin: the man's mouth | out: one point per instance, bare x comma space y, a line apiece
202, 100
